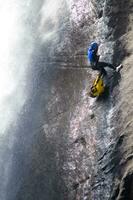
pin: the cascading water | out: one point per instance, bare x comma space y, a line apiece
22, 100
15, 51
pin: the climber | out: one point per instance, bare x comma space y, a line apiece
93, 58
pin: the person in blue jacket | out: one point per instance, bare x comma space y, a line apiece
93, 58
92, 54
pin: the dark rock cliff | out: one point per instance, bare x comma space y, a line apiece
98, 163
99, 154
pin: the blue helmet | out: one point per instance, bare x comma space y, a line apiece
93, 46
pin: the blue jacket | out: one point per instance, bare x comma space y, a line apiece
92, 55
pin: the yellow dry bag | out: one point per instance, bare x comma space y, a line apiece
98, 87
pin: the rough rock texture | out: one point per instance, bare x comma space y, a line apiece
96, 160
99, 156
124, 146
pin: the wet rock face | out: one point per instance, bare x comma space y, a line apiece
94, 139
73, 147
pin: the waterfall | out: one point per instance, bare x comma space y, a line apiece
16, 46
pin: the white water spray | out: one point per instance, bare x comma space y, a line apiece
16, 46
13, 63
50, 14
